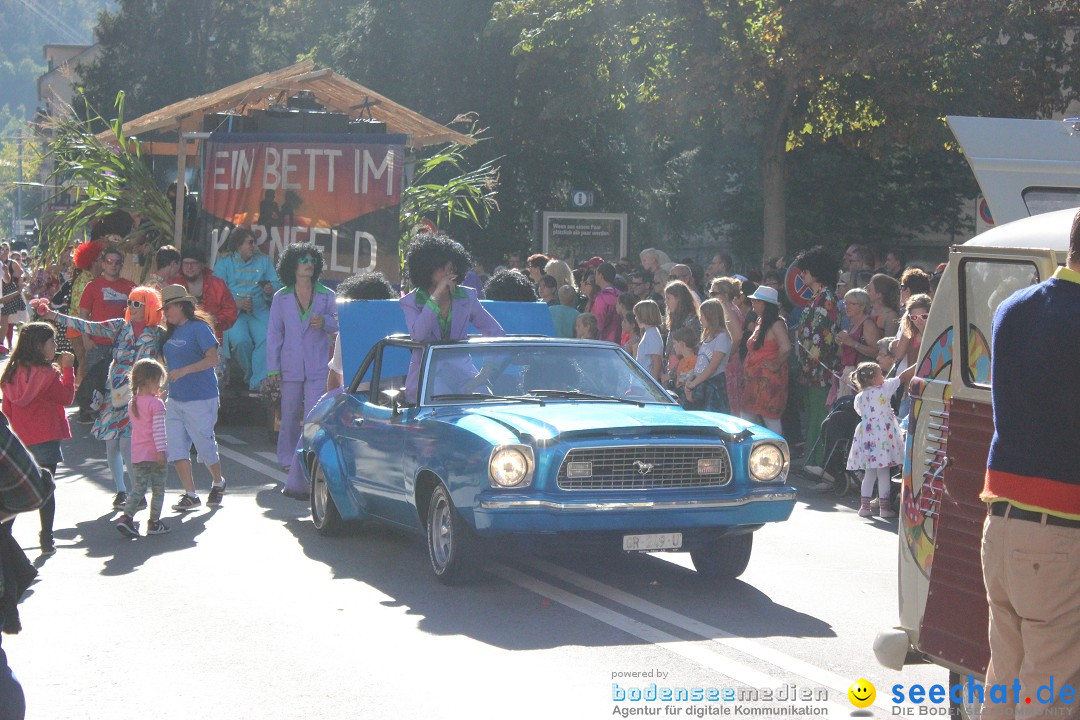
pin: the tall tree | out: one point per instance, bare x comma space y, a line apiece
161, 51
785, 73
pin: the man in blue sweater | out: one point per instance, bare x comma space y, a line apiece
1031, 537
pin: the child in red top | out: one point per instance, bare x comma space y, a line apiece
35, 395
148, 447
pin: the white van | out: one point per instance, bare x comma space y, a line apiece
1027, 169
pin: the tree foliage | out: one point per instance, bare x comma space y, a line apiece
24, 28
160, 51
783, 75
796, 121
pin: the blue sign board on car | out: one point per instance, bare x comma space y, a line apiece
366, 322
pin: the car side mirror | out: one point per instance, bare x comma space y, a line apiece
393, 399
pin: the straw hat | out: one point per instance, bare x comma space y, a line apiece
175, 293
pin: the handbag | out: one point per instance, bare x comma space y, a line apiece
121, 396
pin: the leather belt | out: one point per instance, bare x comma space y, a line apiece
1004, 509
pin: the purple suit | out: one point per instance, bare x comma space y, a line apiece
299, 353
423, 323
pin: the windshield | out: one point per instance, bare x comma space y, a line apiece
552, 372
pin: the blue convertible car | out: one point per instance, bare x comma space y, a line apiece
539, 437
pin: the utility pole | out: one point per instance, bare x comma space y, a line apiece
18, 191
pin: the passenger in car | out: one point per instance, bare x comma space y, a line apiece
440, 309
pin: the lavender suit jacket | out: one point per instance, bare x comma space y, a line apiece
294, 348
423, 324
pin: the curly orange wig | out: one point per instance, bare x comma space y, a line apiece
86, 253
151, 300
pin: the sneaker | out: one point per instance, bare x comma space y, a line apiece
886, 510
823, 487
47, 545
187, 503
157, 528
119, 501
864, 508
813, 470
216, 492
127, 527
874, 502
85, 418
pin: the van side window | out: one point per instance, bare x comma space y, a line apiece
986, 284
1039, 200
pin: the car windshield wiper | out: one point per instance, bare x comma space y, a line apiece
577, 394
485, 396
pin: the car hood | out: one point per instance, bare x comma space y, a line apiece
580, 419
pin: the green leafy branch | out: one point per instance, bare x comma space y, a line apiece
101, 173
467, 195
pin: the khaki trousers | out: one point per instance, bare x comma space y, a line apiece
1032, 576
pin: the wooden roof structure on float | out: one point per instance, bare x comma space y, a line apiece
335, 92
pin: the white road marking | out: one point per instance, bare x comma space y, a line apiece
698, 653
231, 439
265, 455
271, 472
746, 646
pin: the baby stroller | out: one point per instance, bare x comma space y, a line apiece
837, 430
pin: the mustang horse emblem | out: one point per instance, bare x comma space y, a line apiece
643, 468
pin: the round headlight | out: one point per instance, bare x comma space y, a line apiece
508, 467
766, 462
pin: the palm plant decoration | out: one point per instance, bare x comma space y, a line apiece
467, 195
101, 173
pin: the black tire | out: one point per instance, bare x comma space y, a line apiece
726, 559
324, 514
960, 711
452, 547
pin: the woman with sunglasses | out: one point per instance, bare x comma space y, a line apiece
905, 350
133, 337
303, 318
912, 324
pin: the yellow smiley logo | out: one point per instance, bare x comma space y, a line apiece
862, 693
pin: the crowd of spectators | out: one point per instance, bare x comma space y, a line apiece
781, 363
719, 339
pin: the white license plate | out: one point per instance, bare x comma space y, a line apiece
657, 541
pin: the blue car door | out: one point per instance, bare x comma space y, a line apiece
378, 450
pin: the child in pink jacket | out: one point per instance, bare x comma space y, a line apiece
36, 393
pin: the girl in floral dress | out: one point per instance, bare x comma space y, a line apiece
878, 443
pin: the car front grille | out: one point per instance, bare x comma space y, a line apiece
646, 467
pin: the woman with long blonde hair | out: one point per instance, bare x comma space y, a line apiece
561, 272
726, 290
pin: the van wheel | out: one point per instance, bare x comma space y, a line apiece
964, 710
324, 514
726, 559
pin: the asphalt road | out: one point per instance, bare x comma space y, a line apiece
245, 612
